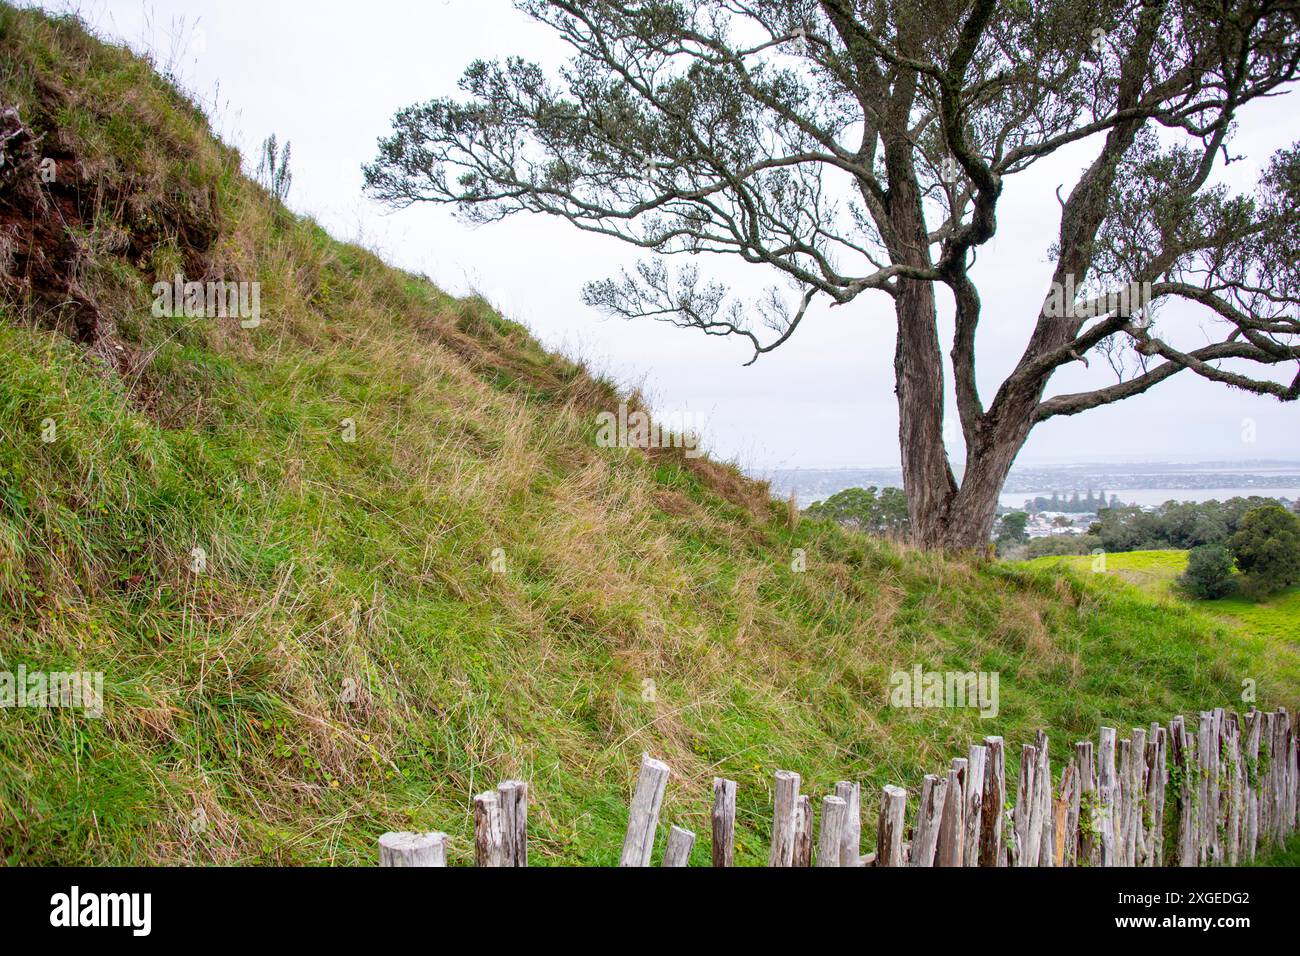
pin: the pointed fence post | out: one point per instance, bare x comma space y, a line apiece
929, 818
643, 815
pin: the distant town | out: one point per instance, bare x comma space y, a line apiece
1066, 499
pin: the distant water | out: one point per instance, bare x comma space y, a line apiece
1141, 483
1158, 496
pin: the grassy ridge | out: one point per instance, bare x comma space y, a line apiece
466, 588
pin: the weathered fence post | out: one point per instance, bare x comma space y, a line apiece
1063, 830
1025, 796
643, 814
724, 821
1207, 751
413, 849
785, 806
1157, 781
803, 832
489, 843
1089, 851
929, 814
512, 797
831, 839
677, 852
889, 832
992, 851
1106, 797
1189, 809
976, 767
851, 839
1040, 824
1252, 783
952, 826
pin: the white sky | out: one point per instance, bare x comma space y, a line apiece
327, 76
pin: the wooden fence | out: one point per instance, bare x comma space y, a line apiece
1176, 796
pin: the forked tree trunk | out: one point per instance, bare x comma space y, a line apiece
942, 514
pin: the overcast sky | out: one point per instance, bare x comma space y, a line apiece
327, 76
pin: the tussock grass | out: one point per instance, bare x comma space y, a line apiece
468, 591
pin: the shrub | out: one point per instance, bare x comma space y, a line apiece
1209, 572
1267, 548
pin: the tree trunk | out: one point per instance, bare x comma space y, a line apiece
942, 514
918, 375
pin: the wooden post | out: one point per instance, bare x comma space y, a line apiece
831, 839
992, 852
643, 814
1124, 799
785, 806
1251, 756
889, 832
677, 852
512, 796
1040, 824
724, 821
1207, 747
1025, 796
803, 832
1190, 811
976, 768
1089, 853
951, 825
851, 839
929, 816
1157, 780
1063, 833
1106, 798
413, 849
489, 844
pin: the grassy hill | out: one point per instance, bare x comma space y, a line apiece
419, 575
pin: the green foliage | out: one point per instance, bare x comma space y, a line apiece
1209, 572
1174, 524
864, 509
1267, 549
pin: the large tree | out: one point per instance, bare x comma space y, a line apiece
859, 146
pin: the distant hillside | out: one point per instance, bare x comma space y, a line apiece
349, 565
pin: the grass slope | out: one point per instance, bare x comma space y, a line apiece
469, 590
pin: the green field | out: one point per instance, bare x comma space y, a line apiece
1274, 623
420, 574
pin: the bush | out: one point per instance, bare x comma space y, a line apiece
1209, 572
1267, 548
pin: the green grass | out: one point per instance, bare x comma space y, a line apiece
470, 590
1270, 625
